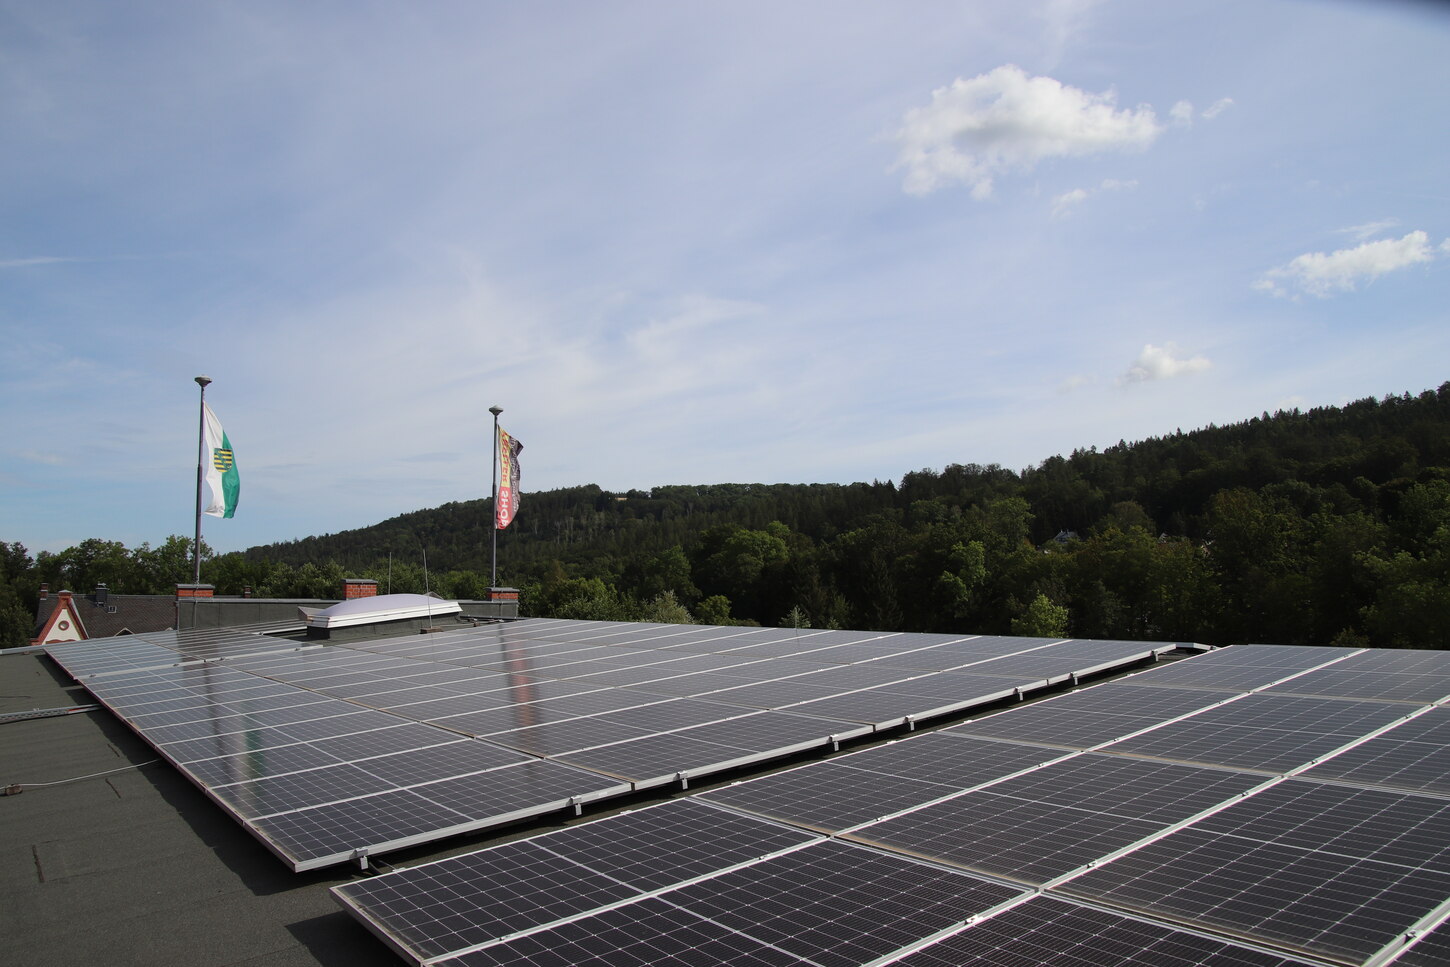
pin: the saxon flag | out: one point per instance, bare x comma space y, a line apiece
222, 481
508, 488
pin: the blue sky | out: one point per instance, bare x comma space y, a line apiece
688, 243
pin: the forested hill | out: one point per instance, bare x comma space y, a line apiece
1300, 527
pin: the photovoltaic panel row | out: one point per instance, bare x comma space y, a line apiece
1339, 872
744, 889
682, 883
1368, 864
1051, 932
259, 724
318, 778
1413, 756
1229, 852
164, 649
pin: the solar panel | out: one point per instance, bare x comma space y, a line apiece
1042, 825
1331, 870
1047, 932
530, 883
1177, 862
1271, 732
749, 886
1346, 681
1414, 755
865, 786
285, 732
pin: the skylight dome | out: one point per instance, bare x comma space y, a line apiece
377, 609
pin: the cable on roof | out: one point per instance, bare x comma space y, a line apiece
16, 788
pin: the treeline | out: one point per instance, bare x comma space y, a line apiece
1317, 527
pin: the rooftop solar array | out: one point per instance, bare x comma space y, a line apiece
1254, 805
331, 754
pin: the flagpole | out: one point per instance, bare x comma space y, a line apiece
201, 381
493, 576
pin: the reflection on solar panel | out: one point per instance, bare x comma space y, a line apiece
1295, 846
334, 753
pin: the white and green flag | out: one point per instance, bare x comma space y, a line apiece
222, 482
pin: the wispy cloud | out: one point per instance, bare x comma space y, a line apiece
34, 260
1323, 274
1161, 362
1004, 121
1064, 203
1369, 230
1217, 108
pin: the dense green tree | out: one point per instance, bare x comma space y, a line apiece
1041, 619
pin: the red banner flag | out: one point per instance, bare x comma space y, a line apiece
508, 488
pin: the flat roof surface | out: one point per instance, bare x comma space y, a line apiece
139, 867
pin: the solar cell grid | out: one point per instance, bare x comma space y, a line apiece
560, 738
1052, 821
459, 758
956, 686
1047, 932
1404, 661
760, 732
828, 796
211, 746
1348, 682
267, 795
533, 786
1196, 672
399, 737
881, 707
778, 669
1128, 697
1391, 827
946, 757
253, 764
1330, 904
1409, 755
326, 833
1041, 722
771, 694
673, 714
432, 910
653, 758
1274, 733
650, 933
1431, 950
837, 905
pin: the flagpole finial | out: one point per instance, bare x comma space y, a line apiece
495, 409
202, 381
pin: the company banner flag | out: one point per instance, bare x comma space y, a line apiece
508, 487
222, 481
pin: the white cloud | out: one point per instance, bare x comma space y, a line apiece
1369, 230
1322, 275
34, 260
1161, 362
1074, 383
1182, 113
1006, 121
1217, 108
1064, 203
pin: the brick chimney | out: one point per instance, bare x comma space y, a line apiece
195, 590
359, 588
